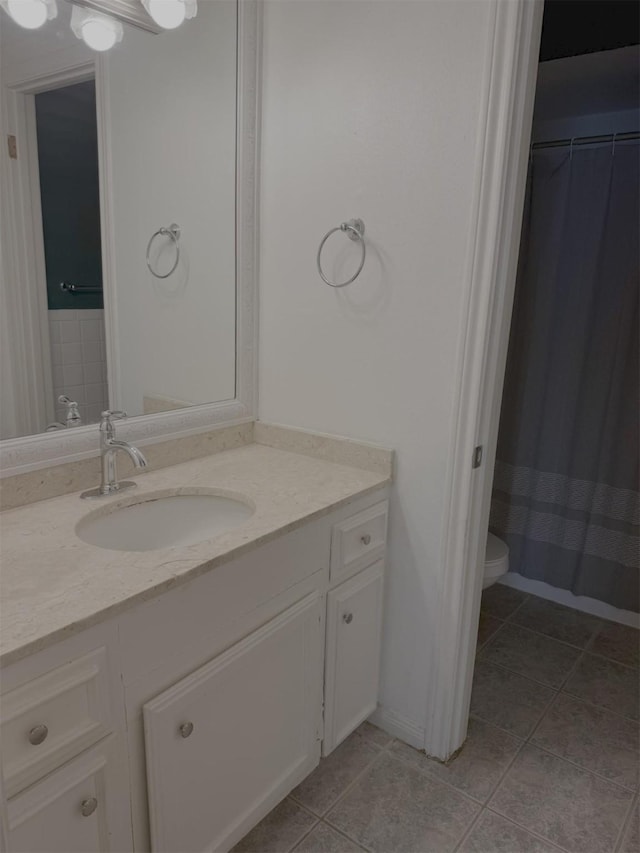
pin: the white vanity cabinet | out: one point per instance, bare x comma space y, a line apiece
178, 724
76, 809
240, 731
65, 778
354, 621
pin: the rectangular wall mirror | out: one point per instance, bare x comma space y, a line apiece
119, 227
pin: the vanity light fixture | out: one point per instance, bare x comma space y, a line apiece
30, 14
99, 32
169, 14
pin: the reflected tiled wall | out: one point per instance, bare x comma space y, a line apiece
78, 361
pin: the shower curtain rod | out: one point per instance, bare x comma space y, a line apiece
586, 140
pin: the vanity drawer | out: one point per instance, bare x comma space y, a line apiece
53, 718
357, 541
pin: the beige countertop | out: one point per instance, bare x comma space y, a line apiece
53, 584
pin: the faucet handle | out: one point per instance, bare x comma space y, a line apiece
107, 418
109, 415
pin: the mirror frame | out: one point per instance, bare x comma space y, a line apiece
43, 450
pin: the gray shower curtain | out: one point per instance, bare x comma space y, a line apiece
565, 494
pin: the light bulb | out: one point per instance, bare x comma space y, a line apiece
168, 14
30, 14
98, 35
99, 32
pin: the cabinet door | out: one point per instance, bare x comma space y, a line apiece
354, 621
81, 808
225, 744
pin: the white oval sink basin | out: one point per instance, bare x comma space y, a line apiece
162, 520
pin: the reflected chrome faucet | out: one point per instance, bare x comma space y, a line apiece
109, 447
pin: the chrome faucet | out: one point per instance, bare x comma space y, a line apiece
73, 418
109, 447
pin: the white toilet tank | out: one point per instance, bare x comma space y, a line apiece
496, 560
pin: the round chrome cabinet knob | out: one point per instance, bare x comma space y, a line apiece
347, 617
88, 806
186, 729
365, 539
38, 734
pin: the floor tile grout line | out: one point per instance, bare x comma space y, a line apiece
345, 835
304, 808
586, 649
521, 743
547, 636
535, 833
563, 686
476, 801
305, 835
502, 779
612, 660
521, 746
516, 672
493, 790
561, 689
527, 596
481, 646
588, 644
626, 823
476, 716
529, 741
469, 829
597, 707
592, 638
558, 691
599, 621
490, 639
548, 707
433, 778
365, 769
530, 738
632, 791
317, 823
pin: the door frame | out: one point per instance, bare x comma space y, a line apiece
28, 233
490, 284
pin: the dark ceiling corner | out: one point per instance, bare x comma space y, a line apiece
574, 27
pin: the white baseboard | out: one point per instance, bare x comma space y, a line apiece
578, 602
398, 726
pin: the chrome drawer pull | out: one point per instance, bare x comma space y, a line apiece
365, 539
38, 734
88, 806
186, 729
347, 617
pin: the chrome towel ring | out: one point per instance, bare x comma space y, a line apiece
173, 231
354, 229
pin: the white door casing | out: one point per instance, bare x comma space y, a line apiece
492, 265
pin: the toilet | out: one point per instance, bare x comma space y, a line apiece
496, 560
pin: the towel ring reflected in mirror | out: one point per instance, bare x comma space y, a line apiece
173, 231
354, 229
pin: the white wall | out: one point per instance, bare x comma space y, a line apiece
172, 102
373, 110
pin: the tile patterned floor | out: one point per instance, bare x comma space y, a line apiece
551, 761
